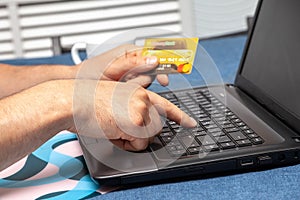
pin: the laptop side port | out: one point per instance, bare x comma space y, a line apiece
265, 160
247, 162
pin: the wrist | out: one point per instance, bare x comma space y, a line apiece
59, 96
67, 72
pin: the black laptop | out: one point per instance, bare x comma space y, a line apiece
251, 124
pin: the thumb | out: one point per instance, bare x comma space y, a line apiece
146, 64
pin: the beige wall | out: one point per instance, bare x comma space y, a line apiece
218, 17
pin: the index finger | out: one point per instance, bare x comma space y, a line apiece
171, 111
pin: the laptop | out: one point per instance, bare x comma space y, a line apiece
249, 125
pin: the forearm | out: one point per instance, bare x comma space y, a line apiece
14, 79
30, 118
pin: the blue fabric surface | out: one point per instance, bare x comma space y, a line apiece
280, 183
64, 59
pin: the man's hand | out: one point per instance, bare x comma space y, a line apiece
126, 114
123, 63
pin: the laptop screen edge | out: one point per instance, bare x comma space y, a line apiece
257, 94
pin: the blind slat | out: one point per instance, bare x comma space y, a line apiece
5, 35
3, 13
103, 37
4, 24
6, 47
100, 26
38, 53
61, 7
94, 15
7, 56
34, 44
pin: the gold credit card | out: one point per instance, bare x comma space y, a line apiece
175, 55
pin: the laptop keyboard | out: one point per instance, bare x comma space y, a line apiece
219, 128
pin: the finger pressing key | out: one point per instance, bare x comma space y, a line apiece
170, 111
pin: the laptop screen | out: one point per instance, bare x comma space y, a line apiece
271, 66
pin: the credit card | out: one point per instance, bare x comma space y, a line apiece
175, 55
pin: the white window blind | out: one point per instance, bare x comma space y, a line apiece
84, 20
6, 38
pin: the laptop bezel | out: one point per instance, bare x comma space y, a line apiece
257, 94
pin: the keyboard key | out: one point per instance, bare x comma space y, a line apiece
242, 143
195, 150
214, 101
210, 109
203, 102
166, 134
171, 148
212, 147
193, 107
244, 127
232, 117
222, 109
167, 139
165, 129
201, 115
218, 134
174, 142
186, 100
178, 129
240, 124
196, 129
219, 115
177, 153
223, 139
179, 147
219, 104
168, 96
199, 133
211, 126
175, 126
227, 126
183, 133
172, 122
229, 113
189, 141
249, 131
257, 140
206, 140
204, 119
223, 121
227, 145
214, 130
234, 129
237, 120
214, 112
237, 135
253, 135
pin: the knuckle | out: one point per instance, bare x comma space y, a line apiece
141, 107
141, 92
138, 120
